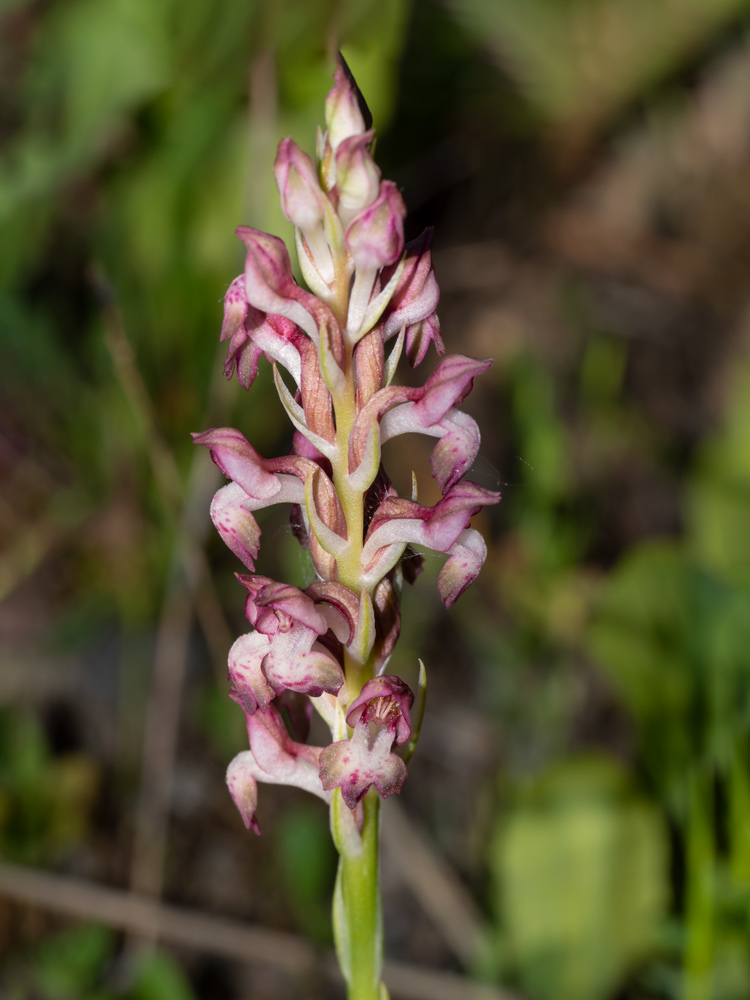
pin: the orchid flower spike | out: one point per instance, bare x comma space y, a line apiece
326, 647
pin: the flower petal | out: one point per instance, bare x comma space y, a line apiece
273, 607
417, 294
250, 688
287, 667
243, 789
357, 175
420, 335
235, 308
438, 527
279, 759
238, 460
467, 555
449, 384
343, 599
236, 525
269, 280
355, 765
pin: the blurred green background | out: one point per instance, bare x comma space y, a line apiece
584, 771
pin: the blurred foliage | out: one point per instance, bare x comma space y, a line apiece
610, 656
578, 62
581, 840
45, 800
307, 866
78, 964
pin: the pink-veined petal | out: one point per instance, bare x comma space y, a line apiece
449, 384
238, 460
438, 527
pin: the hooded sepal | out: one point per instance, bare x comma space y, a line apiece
239, 461
292, 624
384, 701
271, 288
307, 206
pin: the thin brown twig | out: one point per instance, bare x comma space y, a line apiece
230, 939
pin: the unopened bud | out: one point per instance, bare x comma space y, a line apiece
357, 176
297, 181
375, 237
343, 115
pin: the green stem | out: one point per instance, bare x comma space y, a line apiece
357, 915
357, 919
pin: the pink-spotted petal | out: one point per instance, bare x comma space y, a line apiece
454, 454
292, 663
238, 528
355, 765
235, 308
251, 690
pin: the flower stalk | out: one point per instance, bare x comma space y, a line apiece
326, 648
